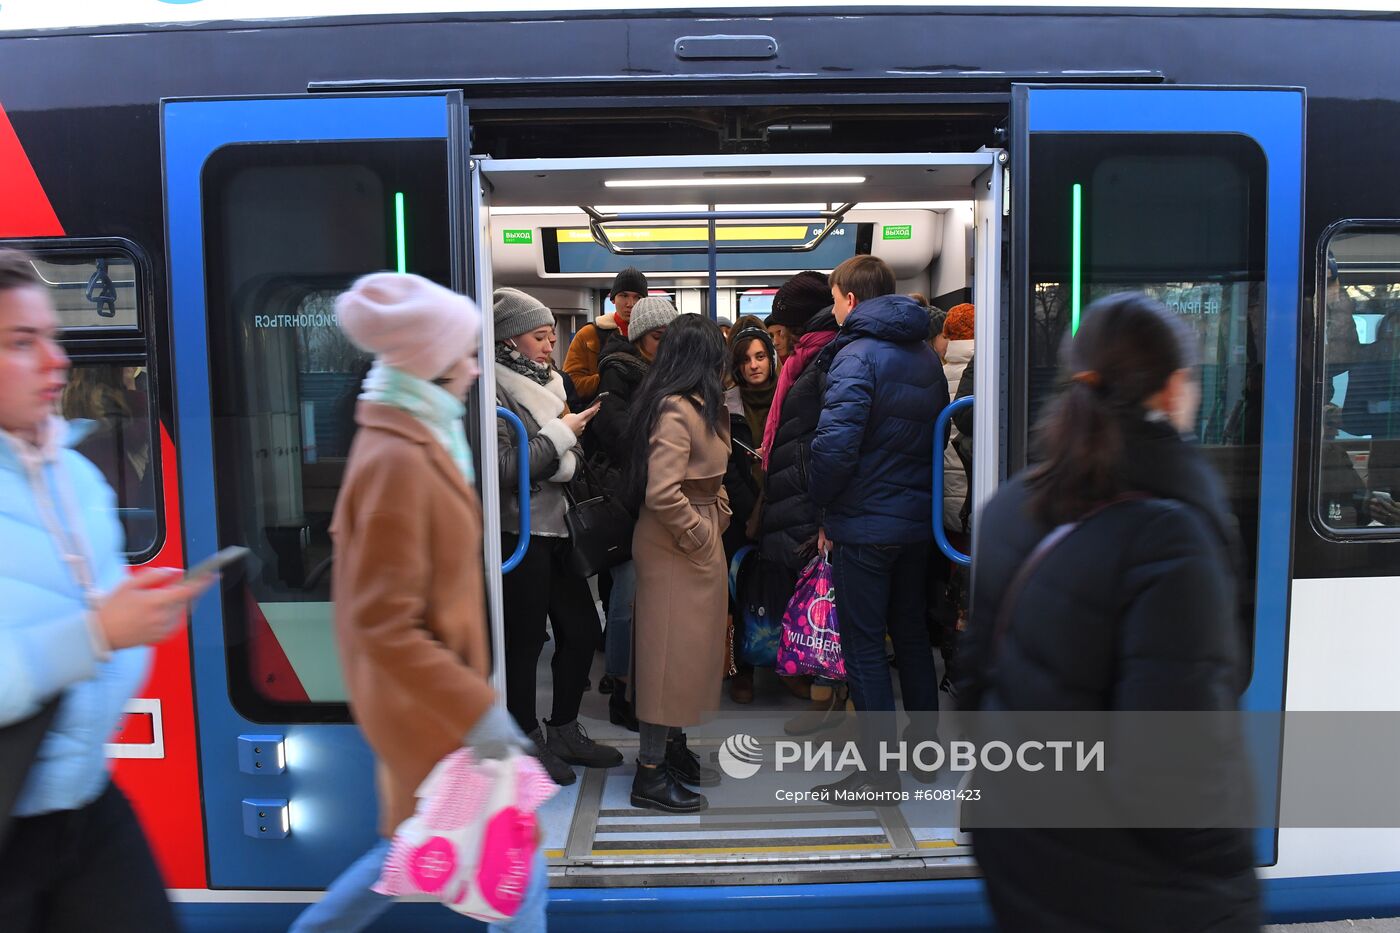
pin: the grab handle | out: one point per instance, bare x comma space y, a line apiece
940, 441
522, 462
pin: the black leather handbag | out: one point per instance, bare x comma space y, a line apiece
600, 526
19, 744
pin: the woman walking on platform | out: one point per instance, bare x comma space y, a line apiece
1117, 550
680, 447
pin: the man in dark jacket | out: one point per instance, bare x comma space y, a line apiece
872, 474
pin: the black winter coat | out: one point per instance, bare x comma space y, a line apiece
739, 480
789, 523
621, 368
872, 456
1135, 610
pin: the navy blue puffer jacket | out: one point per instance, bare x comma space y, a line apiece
872, 457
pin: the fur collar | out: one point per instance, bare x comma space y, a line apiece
544, 403
606, 322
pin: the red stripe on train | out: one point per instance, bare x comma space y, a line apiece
165, 791
25, 210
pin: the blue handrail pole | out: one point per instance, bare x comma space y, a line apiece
940, 441
522, 442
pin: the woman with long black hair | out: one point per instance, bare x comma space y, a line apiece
680, 446
752, 380
1118, 549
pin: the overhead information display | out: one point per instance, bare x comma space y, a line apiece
572, 250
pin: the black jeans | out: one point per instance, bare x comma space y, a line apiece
541, 588
880, 589
78, 871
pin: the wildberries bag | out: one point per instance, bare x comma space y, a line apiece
472, 841
811, 640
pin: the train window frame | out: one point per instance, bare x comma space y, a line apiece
116, 345
1321, 385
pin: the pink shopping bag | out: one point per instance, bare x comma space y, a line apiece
471, 843
811, 641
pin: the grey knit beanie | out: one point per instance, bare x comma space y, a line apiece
516, 313
648, 315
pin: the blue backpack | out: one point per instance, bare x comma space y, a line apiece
757, 633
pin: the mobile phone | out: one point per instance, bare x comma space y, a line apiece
216, 562
747, 449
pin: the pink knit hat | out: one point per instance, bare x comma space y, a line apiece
415, 326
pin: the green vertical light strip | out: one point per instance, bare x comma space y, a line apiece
1076, 262
402, 240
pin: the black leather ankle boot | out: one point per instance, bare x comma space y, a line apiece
657, 789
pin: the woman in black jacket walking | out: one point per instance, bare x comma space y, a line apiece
1132, 610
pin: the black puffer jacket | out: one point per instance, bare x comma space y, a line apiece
1135, 610
789, 522
621, 368
739, 480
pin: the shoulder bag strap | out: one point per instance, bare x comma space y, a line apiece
19, 745
1037, 557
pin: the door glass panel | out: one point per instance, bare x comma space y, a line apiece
116, 399
288, 227
1181, 218
1359, 478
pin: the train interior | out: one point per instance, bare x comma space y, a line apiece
916, 212
282, 424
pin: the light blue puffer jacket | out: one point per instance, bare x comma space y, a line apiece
46, 646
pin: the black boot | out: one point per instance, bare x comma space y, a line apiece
657, 789
573, 745
558, 769
620, 712
686, 766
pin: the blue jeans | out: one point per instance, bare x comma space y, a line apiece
617, 637
880, 589
349, 905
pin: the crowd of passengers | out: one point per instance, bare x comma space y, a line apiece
1106, 575
810, 430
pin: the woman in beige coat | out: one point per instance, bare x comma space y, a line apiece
408, 586
680, 437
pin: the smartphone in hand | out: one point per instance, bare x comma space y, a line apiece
216, 562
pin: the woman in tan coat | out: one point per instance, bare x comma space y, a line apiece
408, 588
680, 437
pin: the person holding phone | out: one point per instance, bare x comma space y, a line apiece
76, 626
543, 588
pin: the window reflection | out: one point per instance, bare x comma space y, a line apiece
117, 399
1359, 469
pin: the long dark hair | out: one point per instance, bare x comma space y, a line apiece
1127, 348
689, 363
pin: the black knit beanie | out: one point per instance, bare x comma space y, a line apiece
799, 299
629, 280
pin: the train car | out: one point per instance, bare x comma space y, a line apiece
197, 184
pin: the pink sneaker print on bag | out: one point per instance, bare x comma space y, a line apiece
471, 843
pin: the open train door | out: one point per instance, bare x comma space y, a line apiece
274, 206
1194, 196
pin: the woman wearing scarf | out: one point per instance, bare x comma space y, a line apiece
407, 583
752, 378
542, 587
788, 528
